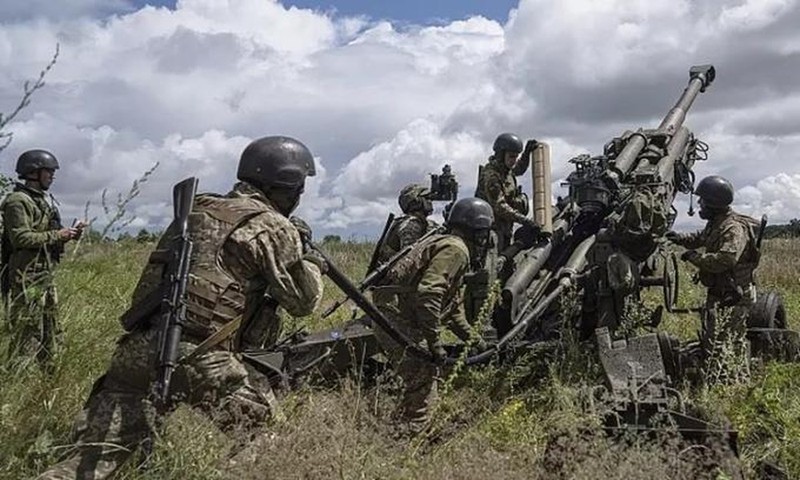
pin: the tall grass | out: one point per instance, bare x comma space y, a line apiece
529, 421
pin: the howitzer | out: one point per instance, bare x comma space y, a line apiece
623, 200
173, 307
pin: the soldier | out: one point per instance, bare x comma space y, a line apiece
33, 240
498, 186
416, 206
422, 293
247, 261
730, 253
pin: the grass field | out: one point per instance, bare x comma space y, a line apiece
491, 422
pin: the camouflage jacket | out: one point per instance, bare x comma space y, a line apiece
247, 259
730, 254
30, 233
498, 186
428, 284
404, 231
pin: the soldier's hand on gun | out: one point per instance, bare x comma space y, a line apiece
302, 228
438, 353
314, 257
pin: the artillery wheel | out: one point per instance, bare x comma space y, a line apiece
768, 311
671, 278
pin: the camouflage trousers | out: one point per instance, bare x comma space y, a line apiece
33, 329
118, 417
419, 376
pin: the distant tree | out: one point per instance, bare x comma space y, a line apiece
144, 236
331, 239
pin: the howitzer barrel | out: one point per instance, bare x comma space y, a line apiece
666, 166
700, 77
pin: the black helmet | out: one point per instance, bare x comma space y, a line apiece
507, 142
414, 197
715, 191
33, 160
471, 214
276, 162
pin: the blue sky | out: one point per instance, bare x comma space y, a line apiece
405, 11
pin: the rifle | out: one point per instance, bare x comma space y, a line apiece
376, 253
173, 306
380, 271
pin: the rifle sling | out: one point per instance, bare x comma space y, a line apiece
214, 339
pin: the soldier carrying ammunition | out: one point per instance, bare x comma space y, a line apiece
422, 293
247, 260
730, 256
497, 184
32, 243
412, 225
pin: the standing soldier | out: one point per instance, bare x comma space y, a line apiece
497, 184
422, 293
730, 254
247, 261
33, 240
412, 225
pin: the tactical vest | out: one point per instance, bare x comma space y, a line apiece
742, 274
213, 296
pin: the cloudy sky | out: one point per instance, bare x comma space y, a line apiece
386, 92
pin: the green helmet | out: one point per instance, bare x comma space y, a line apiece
276, 162
33, 160
414, 197
715, 191
471, 214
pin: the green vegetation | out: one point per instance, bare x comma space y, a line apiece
533, 420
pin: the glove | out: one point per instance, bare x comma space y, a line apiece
689, 255
438, 353
314, 257
672, 236
302, 228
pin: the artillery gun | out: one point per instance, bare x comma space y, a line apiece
607, 244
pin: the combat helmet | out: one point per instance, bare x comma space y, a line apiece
276, 161
471, 214
33, 160
715, 191
414, 197
507, 142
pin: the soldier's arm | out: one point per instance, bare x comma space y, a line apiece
433, 288
521, 166
272, 250
734, 241
18, 220
690, 240
496, 198
458, 321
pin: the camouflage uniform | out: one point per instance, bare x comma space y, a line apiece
404, 231
419, 295
31, 247
498, 186
727, 265
247, 260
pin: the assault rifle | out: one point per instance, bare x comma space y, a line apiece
173, 306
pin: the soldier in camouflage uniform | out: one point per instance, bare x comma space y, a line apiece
497, 184
730, 255
33, 240
422, 293
412, 225
247, 261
